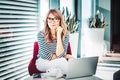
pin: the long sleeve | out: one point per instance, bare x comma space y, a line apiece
45, 50
65, 44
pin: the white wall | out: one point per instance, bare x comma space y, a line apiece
86, 13
105, 4
44, 7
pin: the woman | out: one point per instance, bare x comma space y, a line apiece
53, 43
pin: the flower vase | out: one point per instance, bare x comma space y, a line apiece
94, 41
74, 43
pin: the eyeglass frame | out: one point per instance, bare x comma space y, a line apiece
49, 19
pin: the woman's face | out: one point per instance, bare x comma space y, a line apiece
53, 22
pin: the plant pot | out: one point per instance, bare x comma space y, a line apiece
94, 41
74, 43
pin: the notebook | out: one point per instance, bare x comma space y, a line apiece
82, 67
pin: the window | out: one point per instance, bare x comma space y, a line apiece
68, 6
86, 13
44, 7
18, 25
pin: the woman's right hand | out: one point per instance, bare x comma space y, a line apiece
54, 56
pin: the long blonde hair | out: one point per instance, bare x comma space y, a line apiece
47, 33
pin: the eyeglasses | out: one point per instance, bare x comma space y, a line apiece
52, 19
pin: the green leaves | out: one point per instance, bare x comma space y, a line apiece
72, 23
98, 21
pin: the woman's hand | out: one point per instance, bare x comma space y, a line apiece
68, 56
59, 47
59, 30
54, 56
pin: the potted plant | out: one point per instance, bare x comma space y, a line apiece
72, 23
96, 25
94, 35
98, 21
72, 26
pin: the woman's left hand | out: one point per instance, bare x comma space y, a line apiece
68, 56
59, 30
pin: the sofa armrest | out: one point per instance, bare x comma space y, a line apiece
69, 49
32, 68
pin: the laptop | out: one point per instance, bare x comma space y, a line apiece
82, 67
